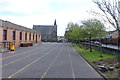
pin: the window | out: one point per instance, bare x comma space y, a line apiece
13, 35
30, 36
4, 34
36, 36
25, 36
33, 36
20, 35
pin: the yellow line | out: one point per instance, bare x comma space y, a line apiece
22, 58
73, 74
18, 54
30, 64
50, 64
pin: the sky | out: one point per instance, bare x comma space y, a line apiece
44, 12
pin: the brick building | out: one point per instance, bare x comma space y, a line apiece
10, 32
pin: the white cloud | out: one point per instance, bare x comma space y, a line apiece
26, 6
39, 12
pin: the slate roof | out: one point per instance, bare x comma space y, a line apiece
110, 32
44, 29
7, 24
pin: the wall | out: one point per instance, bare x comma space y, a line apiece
9, 34
115, 34
10, 27
17, 38
1, 34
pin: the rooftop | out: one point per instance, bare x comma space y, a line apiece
7, 24
44, 29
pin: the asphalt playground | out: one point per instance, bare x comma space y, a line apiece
47, 60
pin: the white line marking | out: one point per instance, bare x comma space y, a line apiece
73, 74
30, 64
18, 54
50, 64
23, 58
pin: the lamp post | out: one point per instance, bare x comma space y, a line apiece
90, 41
85, 41
100, 44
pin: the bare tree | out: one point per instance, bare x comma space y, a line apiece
111, 10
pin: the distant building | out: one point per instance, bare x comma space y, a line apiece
61, 38
48, 32
113, 34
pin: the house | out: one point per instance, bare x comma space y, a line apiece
48, 32
113, 34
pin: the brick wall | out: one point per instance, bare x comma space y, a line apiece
1, 34
17, 38
27, 37
9, 35
115, 34
10, 27
31, 36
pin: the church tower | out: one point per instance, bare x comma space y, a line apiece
55, 22
55, 25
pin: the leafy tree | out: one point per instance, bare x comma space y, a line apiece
94, 28
111, 10
90, 27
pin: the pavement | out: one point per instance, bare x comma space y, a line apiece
47, 60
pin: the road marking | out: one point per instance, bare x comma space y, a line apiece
51, 64
31, 63
73, 74
23, 58
18, 54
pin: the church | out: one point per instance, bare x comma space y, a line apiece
48, 32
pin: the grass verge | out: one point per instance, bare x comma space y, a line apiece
94, 59
94, 55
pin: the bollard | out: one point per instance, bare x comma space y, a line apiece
12, 46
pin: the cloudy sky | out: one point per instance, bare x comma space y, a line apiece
44, 12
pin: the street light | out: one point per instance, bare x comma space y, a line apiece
85, 41
100, 45
90, 42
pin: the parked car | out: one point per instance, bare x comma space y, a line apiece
97, 43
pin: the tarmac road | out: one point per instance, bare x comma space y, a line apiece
47, 60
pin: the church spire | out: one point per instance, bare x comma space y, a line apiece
55, 22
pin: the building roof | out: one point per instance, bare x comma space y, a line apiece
44, 29
7, 24
110, 32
